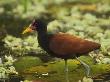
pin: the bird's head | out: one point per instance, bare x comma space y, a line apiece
36, 25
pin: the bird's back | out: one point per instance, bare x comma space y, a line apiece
64, 44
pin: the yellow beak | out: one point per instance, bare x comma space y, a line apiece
28, 29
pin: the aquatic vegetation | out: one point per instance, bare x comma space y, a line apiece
21, 64
85, 79
20, 47
104, 8
7, 68
55, 70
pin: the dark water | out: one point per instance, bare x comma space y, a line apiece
102, 78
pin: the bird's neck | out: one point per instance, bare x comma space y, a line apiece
43, 39
42, 34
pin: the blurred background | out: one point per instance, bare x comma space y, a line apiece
21, 58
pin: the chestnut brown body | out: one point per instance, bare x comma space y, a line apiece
65, 44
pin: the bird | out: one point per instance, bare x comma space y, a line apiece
62, 45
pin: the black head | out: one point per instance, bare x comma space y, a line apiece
36, 25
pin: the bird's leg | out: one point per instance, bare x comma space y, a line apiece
66, 71
87, 68
96, 51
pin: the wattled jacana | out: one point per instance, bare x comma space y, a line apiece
62, 45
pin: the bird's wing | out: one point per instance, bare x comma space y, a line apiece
64, 44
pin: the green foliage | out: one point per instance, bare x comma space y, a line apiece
85, 79
103, 8
105, 47
20, 47
7, 68
26, 62
27, 81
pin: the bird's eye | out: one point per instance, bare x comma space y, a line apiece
33, 28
